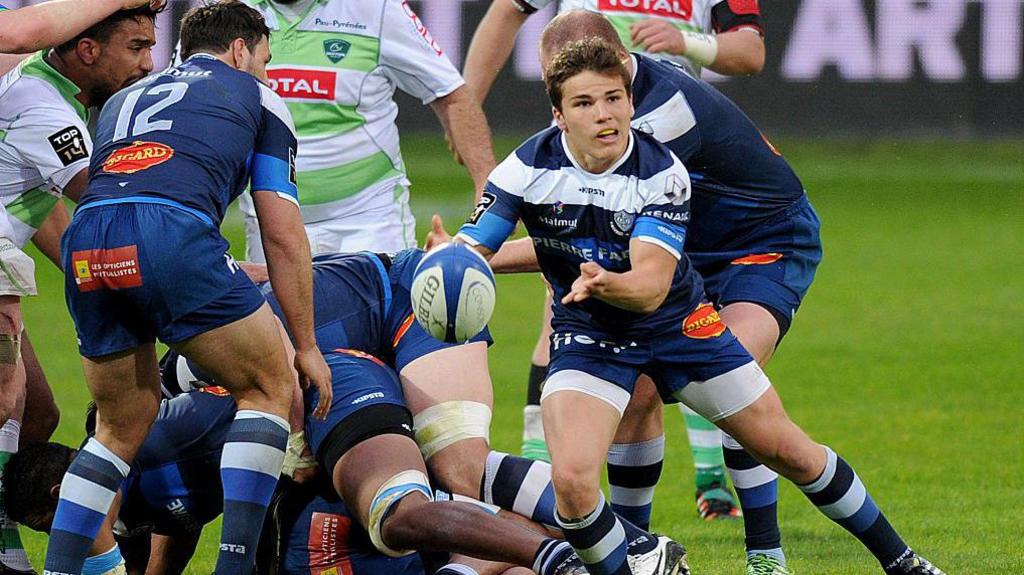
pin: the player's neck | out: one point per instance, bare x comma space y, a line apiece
594, 164
67, 68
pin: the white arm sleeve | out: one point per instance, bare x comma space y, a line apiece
412, 58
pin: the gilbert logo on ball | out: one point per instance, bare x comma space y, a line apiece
453, 293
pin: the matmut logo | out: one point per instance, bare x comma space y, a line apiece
664, 8
302, 84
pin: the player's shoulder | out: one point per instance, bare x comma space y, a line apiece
649, 157
34, 86
543, 150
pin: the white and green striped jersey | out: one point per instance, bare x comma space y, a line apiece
693, 15
43, 144
337, 66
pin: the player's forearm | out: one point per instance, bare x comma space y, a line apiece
633, 290
464, 120
50, 23
290, 270
47, 237
517, 256
491, 46
740, 52
170, 554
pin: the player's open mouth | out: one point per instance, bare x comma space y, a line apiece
608, 136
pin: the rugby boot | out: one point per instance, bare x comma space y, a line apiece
717, 502
667, 558
914, 564
571, 565
761, 564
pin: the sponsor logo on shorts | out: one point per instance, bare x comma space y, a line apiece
328, 544
675, 9
367, 397
703, 323
137, 157
485, 203
336, 49
302, 84
116, 268
215, 390
69, 145
757, 259
560, 340
180, 513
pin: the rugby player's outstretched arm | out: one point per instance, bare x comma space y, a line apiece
491, 46
290, 269
52, 23
464, 122
641, 289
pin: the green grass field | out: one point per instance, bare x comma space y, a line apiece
905, 357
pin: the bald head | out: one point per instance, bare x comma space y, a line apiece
576, 25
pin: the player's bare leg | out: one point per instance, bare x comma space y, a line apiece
635, 458
12, 406
249, 358
41, 412
126, 389
384, 480
533, 446
764, 429
450, 396
757, 486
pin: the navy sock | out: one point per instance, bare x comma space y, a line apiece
249, 468
757, 488
840, 495
599, 539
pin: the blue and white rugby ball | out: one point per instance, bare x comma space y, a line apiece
453, 292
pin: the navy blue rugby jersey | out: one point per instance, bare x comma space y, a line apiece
194, 135
739, 179
575, 216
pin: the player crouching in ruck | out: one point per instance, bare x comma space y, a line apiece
620, 295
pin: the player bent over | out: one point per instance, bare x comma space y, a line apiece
145, 259
607, 209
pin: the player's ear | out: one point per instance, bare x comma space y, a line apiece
88, 51
239, 54
559, 118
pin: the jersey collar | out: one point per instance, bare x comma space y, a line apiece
283, 24
37, 67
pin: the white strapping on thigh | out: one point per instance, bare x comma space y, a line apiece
726, 394
574, 380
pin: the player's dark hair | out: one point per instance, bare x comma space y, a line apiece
30, 475
213, 27
576, 25
587, 55
104, 29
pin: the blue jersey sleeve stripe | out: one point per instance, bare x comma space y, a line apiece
271, 174
490, 231
660, 233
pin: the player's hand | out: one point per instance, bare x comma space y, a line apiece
437, 234
592, 278
313, 370
658, 36
154, 4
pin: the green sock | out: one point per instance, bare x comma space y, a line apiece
706, 445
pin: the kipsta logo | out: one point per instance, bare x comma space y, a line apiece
336, 49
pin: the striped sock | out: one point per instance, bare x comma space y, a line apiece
520, 485
599, 539
86, 492
706, 444
840, 495
758, 490
633, 472
12, 552
249, 467
550, 555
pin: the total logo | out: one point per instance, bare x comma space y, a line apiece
665, 8
302, 84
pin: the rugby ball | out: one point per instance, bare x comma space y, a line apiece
453, 292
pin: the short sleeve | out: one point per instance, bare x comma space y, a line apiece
735, 14
666, 212
411, 57
273, 163
52, 140
495, 216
